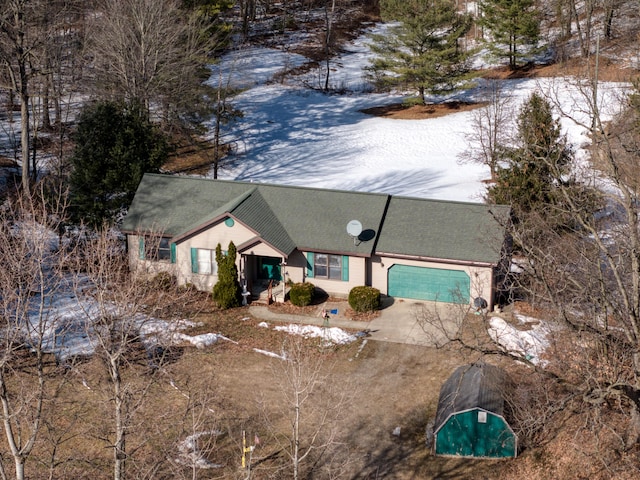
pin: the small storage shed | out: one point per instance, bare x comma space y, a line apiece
470, 418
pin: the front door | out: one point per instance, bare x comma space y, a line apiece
269, 268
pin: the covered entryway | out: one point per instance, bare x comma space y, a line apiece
435, 284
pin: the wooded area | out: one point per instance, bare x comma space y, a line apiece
107, 89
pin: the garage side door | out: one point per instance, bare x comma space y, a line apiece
421, 283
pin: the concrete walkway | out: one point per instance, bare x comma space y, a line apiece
397, 321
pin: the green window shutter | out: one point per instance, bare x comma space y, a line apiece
194, 260
141, 248
345, 268
173, 252
309, 264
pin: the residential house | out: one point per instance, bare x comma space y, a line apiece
406, 247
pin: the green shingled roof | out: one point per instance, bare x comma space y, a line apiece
256, 213
466, 232
312, 219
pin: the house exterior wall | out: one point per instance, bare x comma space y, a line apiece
357, 277
481, 277
362, 271
219, 233
146, 267
295, 269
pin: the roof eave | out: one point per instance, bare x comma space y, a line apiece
258, 239
335, 252
208, 224
422, 258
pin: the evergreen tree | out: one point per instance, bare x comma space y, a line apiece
533, 170
424, 50
510, 25
227, 292
115, 146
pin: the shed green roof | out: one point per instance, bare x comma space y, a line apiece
312, 219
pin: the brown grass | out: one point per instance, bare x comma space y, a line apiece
400, 111
391, 385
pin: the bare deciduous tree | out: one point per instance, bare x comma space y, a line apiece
26, 28
120, 306
151, 52
33, 273
312, 407
490, 125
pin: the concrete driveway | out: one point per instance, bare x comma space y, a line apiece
397, 322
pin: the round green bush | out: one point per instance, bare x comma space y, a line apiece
364, 299
301, 294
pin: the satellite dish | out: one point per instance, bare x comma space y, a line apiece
354, 228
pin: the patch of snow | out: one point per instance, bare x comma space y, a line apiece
531, 344
67, 328
191, 455
201, 341
332, 335
263, 325
270, 354
248, 67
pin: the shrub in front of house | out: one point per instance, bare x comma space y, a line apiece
163, 281
301, 294
364, 299
227, 292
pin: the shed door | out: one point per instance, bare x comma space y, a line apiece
436, 284
463, 435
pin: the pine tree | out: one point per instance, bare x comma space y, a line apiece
227, 292
115, 146
510, 25
533, 170
424, 50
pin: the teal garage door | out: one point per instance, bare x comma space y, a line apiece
421, 283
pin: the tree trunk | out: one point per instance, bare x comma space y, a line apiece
216, 133
296, 437
19, 469
46, 118
24, 134
327, 41
119, 446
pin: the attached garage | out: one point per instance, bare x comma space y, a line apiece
435, 284
470, 419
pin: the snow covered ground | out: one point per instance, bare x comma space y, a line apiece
294, 135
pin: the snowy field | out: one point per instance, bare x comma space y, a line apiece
295, 135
